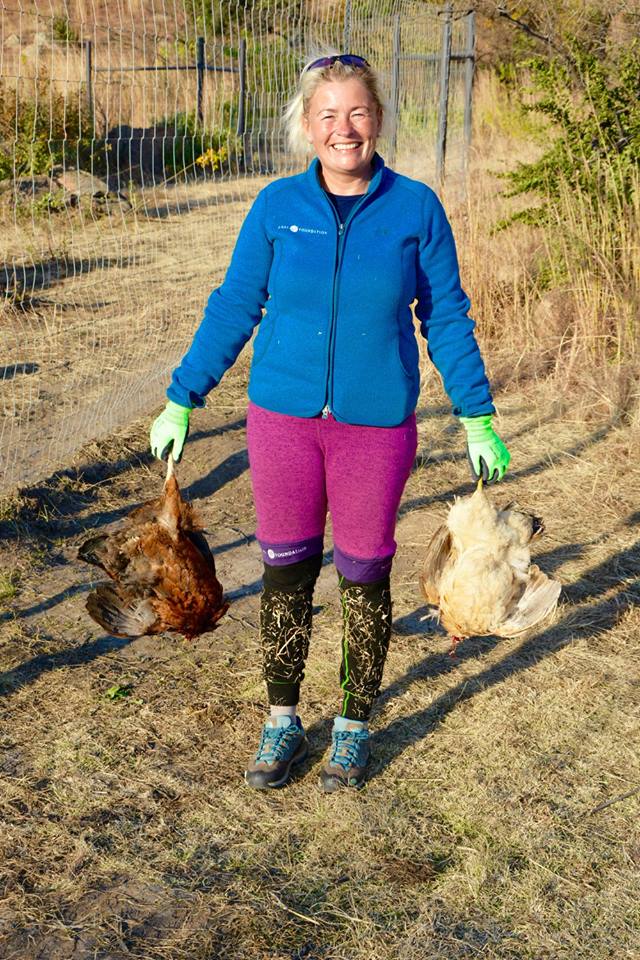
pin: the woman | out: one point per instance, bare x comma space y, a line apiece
335, 256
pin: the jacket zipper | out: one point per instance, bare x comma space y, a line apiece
326, 410
342, 229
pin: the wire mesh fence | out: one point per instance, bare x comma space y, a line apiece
133, 138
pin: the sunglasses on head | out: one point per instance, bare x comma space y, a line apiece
347, 58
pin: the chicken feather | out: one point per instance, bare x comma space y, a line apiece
162, 571
478, 570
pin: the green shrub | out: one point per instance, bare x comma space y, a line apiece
261, 16
63, 31
587, 185
191, 141
594, 105
38, 134
50, 203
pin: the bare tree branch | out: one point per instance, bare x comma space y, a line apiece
504, 13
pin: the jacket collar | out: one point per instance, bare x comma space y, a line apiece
313, 174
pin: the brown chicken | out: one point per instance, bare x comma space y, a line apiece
163, 572
478, 571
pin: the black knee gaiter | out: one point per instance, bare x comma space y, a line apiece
285, 626
366, 611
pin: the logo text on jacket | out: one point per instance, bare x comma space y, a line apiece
294, 228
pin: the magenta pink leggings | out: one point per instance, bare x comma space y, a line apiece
300, 467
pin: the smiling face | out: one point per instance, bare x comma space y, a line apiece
342, 124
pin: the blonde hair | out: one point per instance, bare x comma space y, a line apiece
309, 81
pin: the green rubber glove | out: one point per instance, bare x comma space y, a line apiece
169, 431
488, 456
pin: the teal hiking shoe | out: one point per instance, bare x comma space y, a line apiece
282, 744
347, 764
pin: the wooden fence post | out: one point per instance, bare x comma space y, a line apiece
443, 107
200, 80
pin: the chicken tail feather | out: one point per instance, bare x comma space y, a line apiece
119, 616
92, 550
536, 603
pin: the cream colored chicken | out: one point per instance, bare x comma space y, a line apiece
478, 571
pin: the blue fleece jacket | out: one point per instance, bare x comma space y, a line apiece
337, 331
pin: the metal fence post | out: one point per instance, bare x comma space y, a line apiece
443, 107
469, 70
395, 88
88, 71
200, 79
346, 42
242, 96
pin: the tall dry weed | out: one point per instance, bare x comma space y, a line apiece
559, 300
595, 251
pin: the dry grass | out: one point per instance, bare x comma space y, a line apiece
127, 829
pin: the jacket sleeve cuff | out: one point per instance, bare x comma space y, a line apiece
479, 410
183, 397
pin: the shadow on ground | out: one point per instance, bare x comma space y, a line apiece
52, 507
30, 670
582, 620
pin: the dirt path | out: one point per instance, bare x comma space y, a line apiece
127, 830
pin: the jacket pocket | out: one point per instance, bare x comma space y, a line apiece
407, 354
263, 338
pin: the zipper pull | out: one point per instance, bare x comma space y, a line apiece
326, 411
340, 229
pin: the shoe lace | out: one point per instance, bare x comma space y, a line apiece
274, 743
346, 747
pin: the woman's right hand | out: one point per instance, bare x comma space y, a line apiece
169, 431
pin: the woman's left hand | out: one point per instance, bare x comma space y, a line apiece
488, 456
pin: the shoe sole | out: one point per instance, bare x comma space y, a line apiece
276, 784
